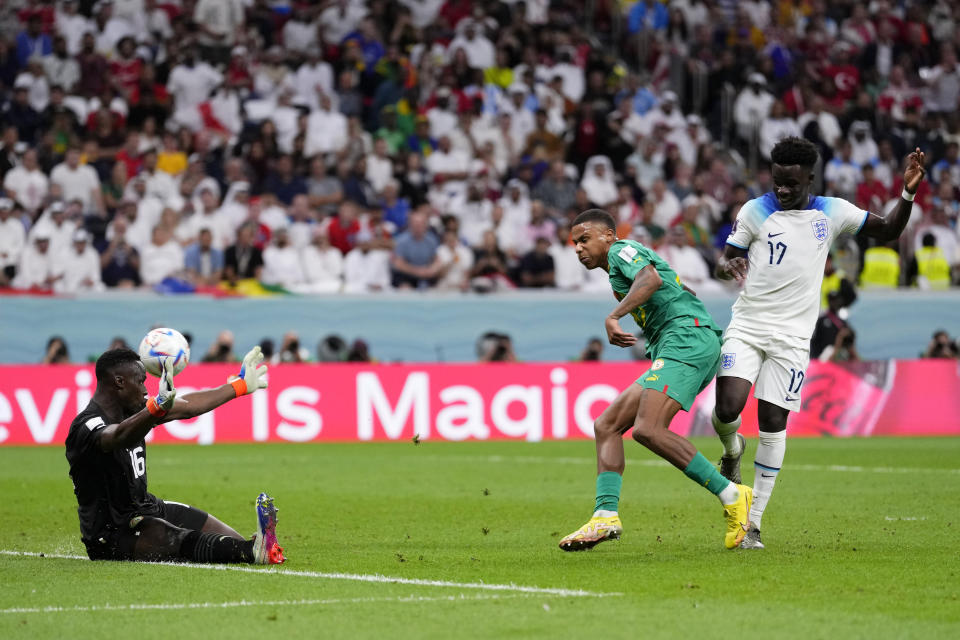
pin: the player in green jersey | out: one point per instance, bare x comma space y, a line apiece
684, 344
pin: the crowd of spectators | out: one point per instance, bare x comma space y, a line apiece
350, 145
942, 346
330, 348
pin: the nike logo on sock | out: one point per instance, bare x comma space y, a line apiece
764, 475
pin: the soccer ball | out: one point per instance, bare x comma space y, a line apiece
164, 344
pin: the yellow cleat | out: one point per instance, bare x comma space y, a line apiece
593, 533
737, 515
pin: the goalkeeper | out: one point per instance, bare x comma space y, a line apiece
119, 518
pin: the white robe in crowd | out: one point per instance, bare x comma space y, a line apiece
481, 54
219, 226
442, 121
31, 187
76, 184
77, 268
60, 235
366, 271
281, 265
235, 212
691, 267
311, 78
442, 195
568, 272
750, 109
476, 216
73, 28
516, 213
423, 12
379, 171
773, 130
301, 233
159, 262
326, 132
601, 191
864, 153
13, 238
34, 268
460, 261
322, 270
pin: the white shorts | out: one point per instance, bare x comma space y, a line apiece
775, 364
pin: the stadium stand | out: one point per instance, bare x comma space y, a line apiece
160, 129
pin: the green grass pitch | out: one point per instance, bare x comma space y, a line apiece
862, 542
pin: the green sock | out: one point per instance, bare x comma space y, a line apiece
608, 490
705, 474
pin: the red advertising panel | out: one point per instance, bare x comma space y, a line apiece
532, 402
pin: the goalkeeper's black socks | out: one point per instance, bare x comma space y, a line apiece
198, 546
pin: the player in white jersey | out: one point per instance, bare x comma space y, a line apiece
778, 247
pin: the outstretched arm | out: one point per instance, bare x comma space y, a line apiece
194, 404
644, 285
166, 406
890, 227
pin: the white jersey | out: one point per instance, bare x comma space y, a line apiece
787, 251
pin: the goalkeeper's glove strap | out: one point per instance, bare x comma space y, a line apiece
155, 409
239, 386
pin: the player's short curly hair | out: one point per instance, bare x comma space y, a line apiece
112, 359
794, 150
596, 215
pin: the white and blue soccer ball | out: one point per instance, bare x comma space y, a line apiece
161, 345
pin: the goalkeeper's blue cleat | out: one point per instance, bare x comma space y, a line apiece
265, 547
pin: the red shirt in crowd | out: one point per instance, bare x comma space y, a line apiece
456, 10
133, 163
126, 73
238, 74
922, 197
895, 101
794, 101
872, 195
847, 79
343, 238
47, 17
160, 94
118, 122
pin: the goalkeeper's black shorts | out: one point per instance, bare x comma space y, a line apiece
119, 543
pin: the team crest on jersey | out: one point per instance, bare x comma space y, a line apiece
727, 360
657, 364
820, 229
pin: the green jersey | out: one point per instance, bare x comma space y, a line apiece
670, 306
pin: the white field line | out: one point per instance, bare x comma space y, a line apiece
356, 577
176, 606
663, 463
